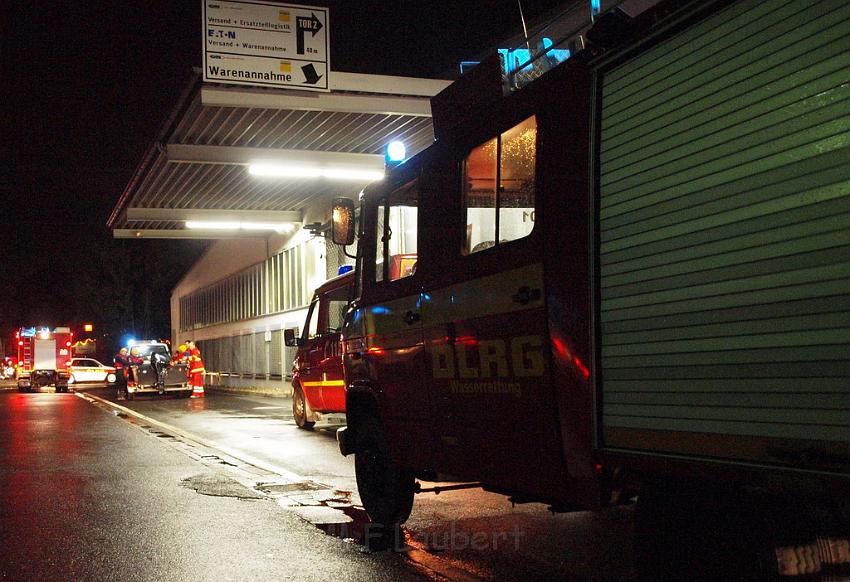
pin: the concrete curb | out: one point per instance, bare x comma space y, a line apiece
251, 391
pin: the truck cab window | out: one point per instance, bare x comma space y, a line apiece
311, 326
397, 232
494, 215
337, 302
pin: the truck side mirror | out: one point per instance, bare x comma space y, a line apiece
342, 230
289, 338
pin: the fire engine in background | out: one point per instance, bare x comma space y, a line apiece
318, 382
633, 281
43, 357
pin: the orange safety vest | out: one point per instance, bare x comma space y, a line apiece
196, 364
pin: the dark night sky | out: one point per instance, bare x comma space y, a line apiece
87, 85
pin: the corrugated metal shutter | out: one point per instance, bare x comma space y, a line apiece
261, 354
224, 354
275, 352
246, 354
725, 227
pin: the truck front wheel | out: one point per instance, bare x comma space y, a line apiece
385, 488
299, 409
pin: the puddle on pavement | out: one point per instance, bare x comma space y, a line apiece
291, 487
219, 486
331, 511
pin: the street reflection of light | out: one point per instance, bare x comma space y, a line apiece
376, 351
379, 310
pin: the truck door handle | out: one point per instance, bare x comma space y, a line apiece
526, 295
411, 317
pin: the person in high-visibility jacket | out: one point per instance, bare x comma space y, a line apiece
181, 356
122, 368
196, 370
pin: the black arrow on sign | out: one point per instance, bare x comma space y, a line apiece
310, 74
302, 25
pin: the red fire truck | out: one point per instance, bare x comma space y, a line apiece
43, 357
633, 282
318, 382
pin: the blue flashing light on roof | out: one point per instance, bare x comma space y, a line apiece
396, 153
595, 7
519, 59
344, 269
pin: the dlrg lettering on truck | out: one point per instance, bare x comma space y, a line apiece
631, 281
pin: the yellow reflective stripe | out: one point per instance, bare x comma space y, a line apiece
196, 370
325, 383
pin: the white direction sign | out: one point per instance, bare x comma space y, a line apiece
266, 44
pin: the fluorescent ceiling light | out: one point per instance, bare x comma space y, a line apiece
307, 171
277, 227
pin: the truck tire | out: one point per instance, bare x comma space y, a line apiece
299, 409
386, 489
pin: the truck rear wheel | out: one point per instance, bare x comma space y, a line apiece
385, 488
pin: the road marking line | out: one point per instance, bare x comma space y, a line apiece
260, 464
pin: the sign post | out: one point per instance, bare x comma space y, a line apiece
266, 44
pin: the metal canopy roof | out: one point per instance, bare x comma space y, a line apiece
197, 167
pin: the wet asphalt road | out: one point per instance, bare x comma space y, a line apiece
87, 496
456, 535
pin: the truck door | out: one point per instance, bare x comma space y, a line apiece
333, 305
393, 321
486, 329
310, 356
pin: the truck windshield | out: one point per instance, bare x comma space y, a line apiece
145, 351
397, 233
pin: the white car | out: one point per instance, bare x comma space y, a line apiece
84, 370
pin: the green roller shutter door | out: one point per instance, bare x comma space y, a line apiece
725, 227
